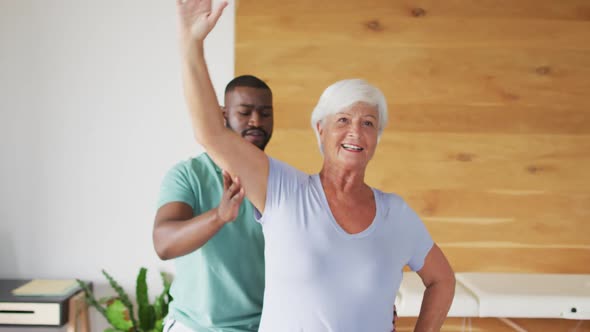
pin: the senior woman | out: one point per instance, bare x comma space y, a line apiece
335, 247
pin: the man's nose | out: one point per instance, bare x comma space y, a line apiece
254, 120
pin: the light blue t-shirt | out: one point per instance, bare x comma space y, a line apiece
321, 278
220, 286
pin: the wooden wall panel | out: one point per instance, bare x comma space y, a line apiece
489, 138
521, 9
432, 77
442, 118
458, 161
406, 324
325, 31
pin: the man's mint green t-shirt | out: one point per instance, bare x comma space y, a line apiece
220, 286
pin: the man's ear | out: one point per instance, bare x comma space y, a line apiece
224, 112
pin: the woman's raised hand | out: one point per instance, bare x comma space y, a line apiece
197, 18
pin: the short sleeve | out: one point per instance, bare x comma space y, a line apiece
421, 240
176, 187
283, 182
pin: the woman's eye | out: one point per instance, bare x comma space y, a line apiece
342, 120
368, 123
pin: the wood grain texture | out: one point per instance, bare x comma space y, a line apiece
458, 161
521, 9
327, 31
489, 138
460, 119
556, 80
406, 324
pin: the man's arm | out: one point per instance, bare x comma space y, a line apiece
439, 279
177, 233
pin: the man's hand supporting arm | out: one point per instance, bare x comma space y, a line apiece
177, 233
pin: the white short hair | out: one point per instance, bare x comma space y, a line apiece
342, 95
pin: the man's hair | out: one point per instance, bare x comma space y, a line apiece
249, 81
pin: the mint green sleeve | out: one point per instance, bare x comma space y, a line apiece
177, 187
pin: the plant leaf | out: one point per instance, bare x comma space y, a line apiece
90, 299
118, 316
123, 297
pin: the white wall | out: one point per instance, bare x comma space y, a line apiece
91, 118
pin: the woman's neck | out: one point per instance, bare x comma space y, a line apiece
341, 180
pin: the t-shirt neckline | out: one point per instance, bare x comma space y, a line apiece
324, 201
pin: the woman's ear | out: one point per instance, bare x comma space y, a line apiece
320, 132
318, 126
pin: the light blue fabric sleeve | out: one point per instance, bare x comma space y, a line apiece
421, 239
283, 181
176, 187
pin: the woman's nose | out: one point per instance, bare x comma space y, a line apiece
354, 129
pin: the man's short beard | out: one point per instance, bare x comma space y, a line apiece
243, 134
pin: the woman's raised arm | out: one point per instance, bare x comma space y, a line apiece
240, 158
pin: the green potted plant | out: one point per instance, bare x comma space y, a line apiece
118, 310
